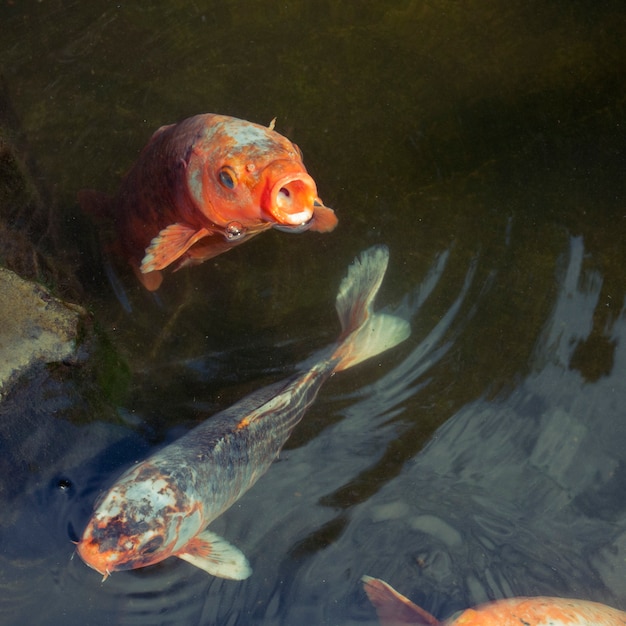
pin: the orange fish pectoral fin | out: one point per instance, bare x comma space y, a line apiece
216, 556
150, 280
324, 219
170, 244
392, 607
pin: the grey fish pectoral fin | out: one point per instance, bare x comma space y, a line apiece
216, 556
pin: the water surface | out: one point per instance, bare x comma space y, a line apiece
484, 144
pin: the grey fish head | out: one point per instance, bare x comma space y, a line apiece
143, 519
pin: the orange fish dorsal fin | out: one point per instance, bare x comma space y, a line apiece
394, 609
170, 244
324, 219
216, 556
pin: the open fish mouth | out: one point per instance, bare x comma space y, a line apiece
290, 200
298, 228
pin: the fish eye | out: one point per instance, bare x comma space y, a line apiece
227, 177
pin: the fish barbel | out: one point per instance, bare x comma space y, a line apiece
394, 609
162, 506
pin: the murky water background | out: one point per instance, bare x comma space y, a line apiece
485, 457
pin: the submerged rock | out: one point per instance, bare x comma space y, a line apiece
36, 328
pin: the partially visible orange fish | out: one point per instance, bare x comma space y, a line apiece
203, 186
161, 507
394, 609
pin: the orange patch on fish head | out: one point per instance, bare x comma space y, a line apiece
91, 554
142, 520
243, 172
114, 544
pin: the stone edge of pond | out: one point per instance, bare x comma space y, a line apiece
36, 328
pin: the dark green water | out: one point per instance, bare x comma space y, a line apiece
484, 144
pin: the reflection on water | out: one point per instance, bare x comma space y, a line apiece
517, 496
484, 144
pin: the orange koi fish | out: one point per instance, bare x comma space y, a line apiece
203, 186
162, 506
394, 609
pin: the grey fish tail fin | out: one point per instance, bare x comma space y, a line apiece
365, 333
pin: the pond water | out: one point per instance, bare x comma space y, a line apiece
484, 457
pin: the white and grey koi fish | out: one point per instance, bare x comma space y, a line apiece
162, 506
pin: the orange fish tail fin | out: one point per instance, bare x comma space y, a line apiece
394, 609
95, 203
365, 333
